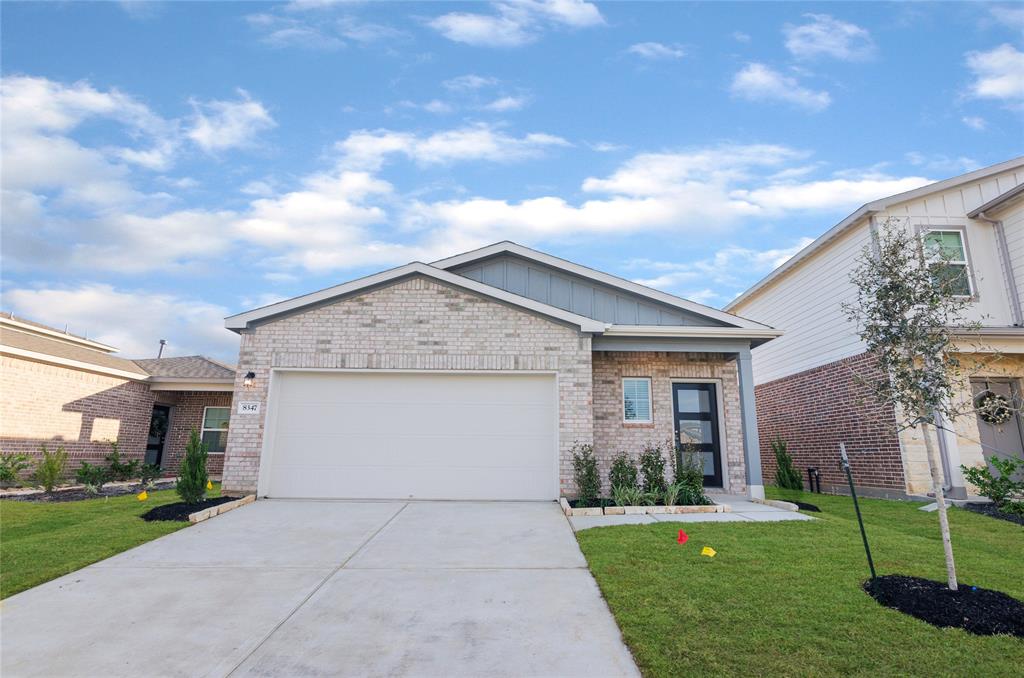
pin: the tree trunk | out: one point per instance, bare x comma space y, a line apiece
935, 466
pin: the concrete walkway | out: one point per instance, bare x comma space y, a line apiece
742, 510
296, 588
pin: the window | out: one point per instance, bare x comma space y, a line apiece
949, 261
636, 400
215, 428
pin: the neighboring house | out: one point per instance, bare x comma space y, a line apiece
807, 394
473, 377
58, 389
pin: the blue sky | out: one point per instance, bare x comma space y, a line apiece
167, 164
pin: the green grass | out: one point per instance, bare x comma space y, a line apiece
40, 542
786, 598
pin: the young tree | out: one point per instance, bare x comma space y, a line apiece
908, 309
192, 478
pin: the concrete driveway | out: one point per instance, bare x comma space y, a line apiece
309, 588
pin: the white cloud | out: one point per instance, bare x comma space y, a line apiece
757, 82
942, 163
657, 50
826, 36
516, 23
132, 321
318, 30
469, 82
827, 194
220, 125
975, 122
506, 103
1009, 16
740, 36
366, 149
998, 73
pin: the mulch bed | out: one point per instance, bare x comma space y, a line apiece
60, 496
980, 611
181, 511
803, 506
992, 511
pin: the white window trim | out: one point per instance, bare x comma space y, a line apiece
202, 426
650, 401
965, 262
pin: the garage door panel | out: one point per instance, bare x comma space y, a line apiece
400, 435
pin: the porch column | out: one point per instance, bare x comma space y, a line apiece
751, 442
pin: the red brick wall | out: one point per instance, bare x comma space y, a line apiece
53, 405
187, 414
815, 410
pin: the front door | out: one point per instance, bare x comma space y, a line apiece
1006, 438
696, 427
157, 434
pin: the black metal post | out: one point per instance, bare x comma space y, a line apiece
856, 506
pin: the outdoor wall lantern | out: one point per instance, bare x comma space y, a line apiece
249, 380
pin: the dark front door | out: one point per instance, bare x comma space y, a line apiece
157, 434
1005, 439
696, 427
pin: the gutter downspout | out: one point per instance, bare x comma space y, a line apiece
1004, 258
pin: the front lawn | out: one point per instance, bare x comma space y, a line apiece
786, 598
42, 541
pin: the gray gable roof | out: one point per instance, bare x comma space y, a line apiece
36, 343
186, 367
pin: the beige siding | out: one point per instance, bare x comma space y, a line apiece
806, 302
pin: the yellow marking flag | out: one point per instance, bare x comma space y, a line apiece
209, 484
708, 551
143, 496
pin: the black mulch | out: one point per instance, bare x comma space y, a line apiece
59, 496
980, 611
181, 511
992, 511
803, 506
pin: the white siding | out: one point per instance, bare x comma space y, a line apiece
1013, 227
806, 302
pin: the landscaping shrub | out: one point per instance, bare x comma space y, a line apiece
1000, 487
120, 470
786, 475
625, 495
51, 468
93, 477
623, 472
690, 477
672, 493
584, 468
11, 468
652, 466
147, 474
192, 479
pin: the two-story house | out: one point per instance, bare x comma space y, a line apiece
806, 381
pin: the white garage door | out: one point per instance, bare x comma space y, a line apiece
423, 436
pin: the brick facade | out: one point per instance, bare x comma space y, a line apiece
413, 324
83, 411
612, 435
815, 410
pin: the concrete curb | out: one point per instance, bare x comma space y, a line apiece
777, 503
206, 514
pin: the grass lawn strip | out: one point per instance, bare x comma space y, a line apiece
42, 541
786, 598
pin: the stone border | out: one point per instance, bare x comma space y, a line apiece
639, 510
206, 514
32, 491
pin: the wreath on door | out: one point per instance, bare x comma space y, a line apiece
993, 408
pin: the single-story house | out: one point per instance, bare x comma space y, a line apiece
473, 377
60, 389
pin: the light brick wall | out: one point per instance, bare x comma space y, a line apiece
815, 410
415, 324
187, 415
42, 403
612, 435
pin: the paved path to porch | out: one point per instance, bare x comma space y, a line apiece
316, 588
742, 510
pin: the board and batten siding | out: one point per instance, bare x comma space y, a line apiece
1013, 227
806, 302
575, 293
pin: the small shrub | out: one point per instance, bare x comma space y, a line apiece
192, 479
652, 466
93, 477
672, 494
623, 472
690, 477
584, 468
121, 470
11, 468
1000, 487
51, 468
625, 495
786, 475
147, 474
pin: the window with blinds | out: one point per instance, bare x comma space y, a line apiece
636, 400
